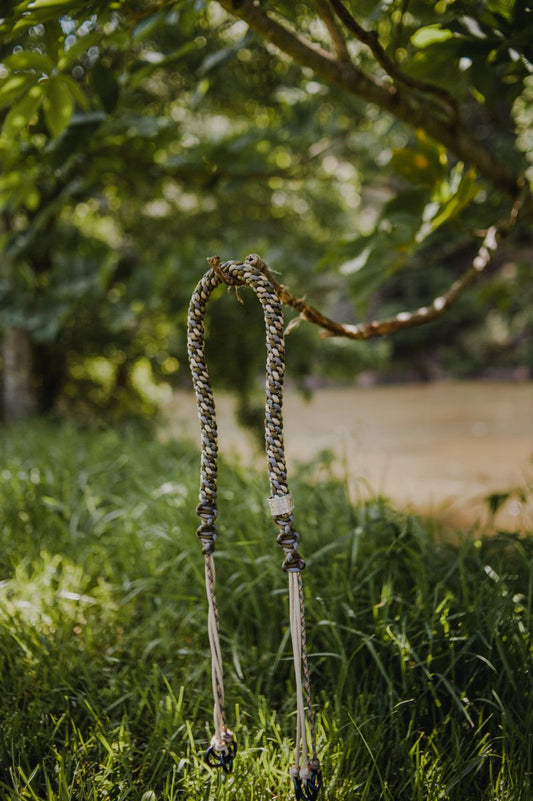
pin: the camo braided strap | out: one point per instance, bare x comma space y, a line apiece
239, 274
306, 771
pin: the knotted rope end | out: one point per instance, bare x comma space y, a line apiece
221, 751
307, 780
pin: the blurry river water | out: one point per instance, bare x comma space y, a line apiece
437, 448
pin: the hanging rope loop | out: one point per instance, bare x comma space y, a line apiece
254, 274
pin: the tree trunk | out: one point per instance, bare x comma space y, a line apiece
19, 399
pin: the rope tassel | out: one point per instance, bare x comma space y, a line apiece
305, 773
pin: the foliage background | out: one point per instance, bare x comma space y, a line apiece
140, 137
420, 648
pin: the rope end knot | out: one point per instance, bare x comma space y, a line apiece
307, 781
221, 751
255, 260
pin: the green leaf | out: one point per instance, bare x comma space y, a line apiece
377, 261
21, 113
34, 12
58, 106
466, 192
17, 188
421, 166
50, 4
438, 64
448, 201
141, 70
13, 87
429, 35
76, 91
504, 8
54, 39
29, 60
32, 198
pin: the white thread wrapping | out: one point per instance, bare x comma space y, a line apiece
281, 504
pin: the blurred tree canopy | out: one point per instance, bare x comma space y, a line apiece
362, 148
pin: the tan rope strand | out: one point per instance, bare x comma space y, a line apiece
305, 667
216, 655
296, 635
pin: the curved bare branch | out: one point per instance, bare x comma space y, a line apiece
406, 319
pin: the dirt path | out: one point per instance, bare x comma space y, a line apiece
439, 448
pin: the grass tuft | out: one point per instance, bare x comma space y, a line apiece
420, 648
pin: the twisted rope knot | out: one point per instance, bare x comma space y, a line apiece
206, 511
207, 531
293, 563
207, 534
288, 539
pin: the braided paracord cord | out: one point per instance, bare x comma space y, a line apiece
306, 771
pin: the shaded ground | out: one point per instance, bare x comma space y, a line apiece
439, 448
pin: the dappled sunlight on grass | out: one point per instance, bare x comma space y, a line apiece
420, 648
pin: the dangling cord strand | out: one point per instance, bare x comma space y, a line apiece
305, 773
222, 749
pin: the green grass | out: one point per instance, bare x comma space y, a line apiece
421, 651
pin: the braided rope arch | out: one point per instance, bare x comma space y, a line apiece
306, 771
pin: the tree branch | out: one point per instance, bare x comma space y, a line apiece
406, 319
397, 100
324, 10
370, 39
